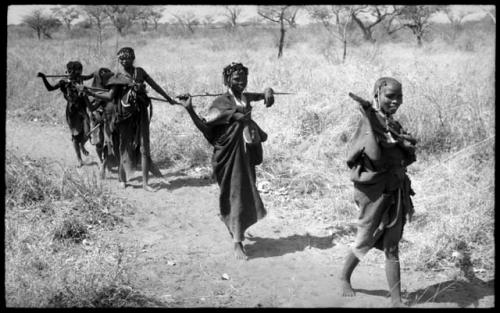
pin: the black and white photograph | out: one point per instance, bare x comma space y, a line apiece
249, 156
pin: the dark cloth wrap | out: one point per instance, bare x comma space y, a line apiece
233, 163
382, 189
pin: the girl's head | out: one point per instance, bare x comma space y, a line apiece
104, 75
126, 56
235, 76
74, 69
388, 95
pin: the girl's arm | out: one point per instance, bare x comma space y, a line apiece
87, 77
107, 96
267, 96
47, 84
158, 89
200, 123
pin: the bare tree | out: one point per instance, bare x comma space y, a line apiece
391, 23
416, 18
155, 15
147, 15
66, 13
208, 20
279, 14
369, 16
122, 16
292, 20
232, 13
43, 25
97, 17
336, 19
187, 20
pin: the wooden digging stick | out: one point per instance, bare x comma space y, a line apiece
59, 76
220, 94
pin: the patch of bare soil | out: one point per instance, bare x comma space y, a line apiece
185, 252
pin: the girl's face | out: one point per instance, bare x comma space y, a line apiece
126, 62
75, 73
390, 98
238, 81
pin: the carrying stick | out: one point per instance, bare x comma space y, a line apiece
95, 127
220, 94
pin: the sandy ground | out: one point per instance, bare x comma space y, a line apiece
186, 257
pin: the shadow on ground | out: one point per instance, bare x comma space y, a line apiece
189, 181
377, 292
460, 292
181, 180
272, 247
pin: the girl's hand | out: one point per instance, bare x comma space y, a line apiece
268, 97
173, 102
40, 74
185, 101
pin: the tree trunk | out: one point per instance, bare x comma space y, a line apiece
367, 33
345, 50
39, 33
282, 39
419, 40
99, 37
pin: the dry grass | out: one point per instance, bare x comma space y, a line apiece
449, 105
57, 253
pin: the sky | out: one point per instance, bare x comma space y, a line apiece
15, 13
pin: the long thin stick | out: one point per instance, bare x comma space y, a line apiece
220, 94
95, 127
60, 75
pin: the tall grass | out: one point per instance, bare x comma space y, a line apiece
57, 253
448, 105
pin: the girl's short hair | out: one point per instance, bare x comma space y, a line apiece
230, 69
384, 81
73, 65
126, 53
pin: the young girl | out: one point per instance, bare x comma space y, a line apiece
128, 93
76, 106
101, 118
237, 142
380, 152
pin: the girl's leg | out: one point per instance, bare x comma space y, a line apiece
76, 146
393, 274
122, 176
145, 151
350, 263
86, 129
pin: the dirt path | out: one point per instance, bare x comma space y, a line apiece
185, 248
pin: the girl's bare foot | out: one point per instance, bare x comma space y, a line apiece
148, 188
239, 251
346, 288
122, 185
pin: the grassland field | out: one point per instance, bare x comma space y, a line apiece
448, 104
